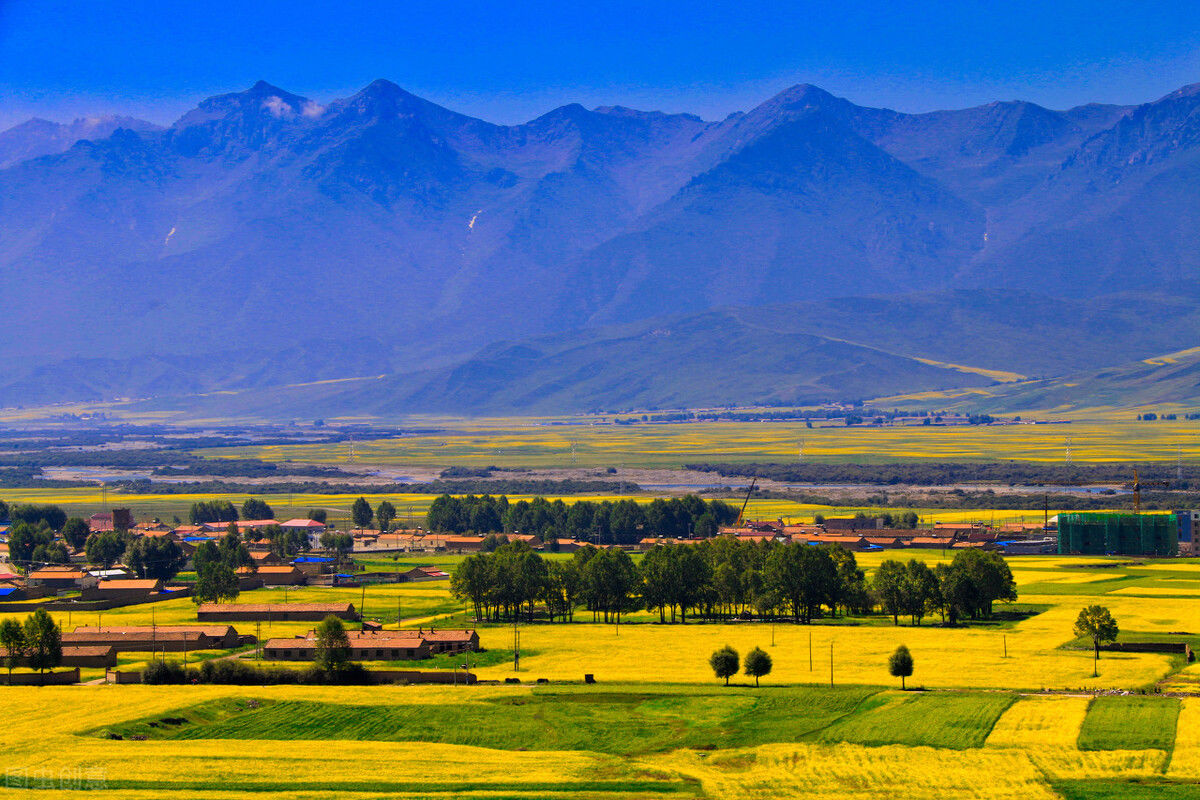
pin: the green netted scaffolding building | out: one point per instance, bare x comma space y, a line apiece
1098, 534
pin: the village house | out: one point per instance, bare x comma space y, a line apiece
282, 575
424, 573
379, 645
60, 578
284, 612
147, 638
123, 591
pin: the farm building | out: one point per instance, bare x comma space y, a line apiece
285, 612
424, 573
376, 645
59, 579
315, 565
1099, 533
123, 591
80, 656
146, 638
281, 575
364, 646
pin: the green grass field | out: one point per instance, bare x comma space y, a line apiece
1129, 723
957, 721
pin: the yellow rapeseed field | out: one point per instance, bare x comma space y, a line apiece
1100, 435
48, 736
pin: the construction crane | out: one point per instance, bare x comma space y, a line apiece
1137, 487
746, 502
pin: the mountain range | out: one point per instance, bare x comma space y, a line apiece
808, 249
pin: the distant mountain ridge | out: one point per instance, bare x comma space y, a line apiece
265, 238
39, 137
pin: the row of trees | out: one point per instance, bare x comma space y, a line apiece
605, 522
724, 663
966, 587
723, 578
38, 642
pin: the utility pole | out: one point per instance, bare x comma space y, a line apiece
831, 663
810, 662
516, 646
1067, 441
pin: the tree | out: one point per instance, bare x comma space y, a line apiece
332, 645
155, 557
724, 663
12, 639
214, 511
53, 553
216, 582
339, 543
900, 664
43, 641
25, 537
255, 508
758, 663
361, 513
317, 515
1096, 623
888, 584
385, 512
75, 532
104, 548
53, 516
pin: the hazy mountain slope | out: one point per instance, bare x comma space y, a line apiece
404, 237
1122, 212
991, 154
40, 137
798, 206
1173, 379
842, 349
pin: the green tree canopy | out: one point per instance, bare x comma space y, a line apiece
75, 532
724, 663
758, 663
900, 664
214, 583
256, 508
385, 512
52, 515
332, 645
361, 513
43, 641
12, 639
103, 548
1097, 623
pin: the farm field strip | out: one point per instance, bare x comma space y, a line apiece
508, 443
411, 508
1130, 723
730, 765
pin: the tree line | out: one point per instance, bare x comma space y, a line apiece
604, 522
726, 578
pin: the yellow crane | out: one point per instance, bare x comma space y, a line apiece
1137, 487
746, 502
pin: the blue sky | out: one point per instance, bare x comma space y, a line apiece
508, 62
